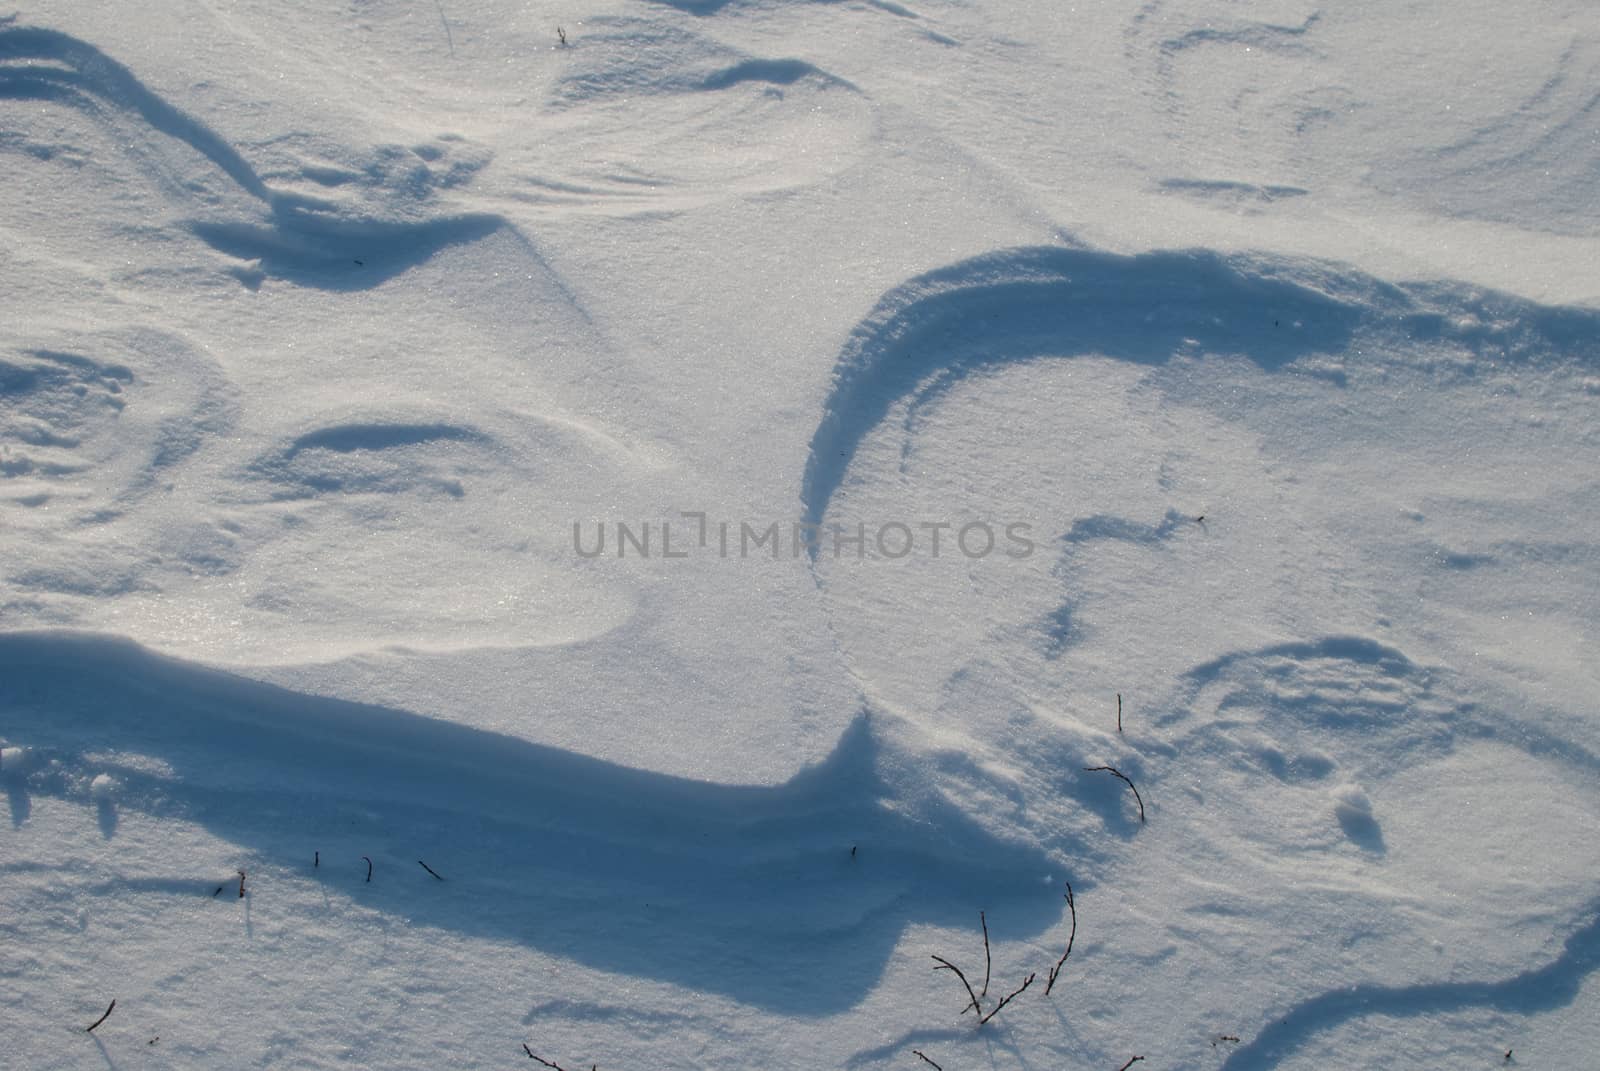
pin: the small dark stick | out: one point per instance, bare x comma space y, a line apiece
241, 885
1119, 712
316, 860
1130, 1063
986, 959
102, 1019
946, 965
429, 869
369, 867
853, 848
153, 1040
1055, 972
1006, 1000
1130, 784
924, 1057
562, 35
546, 1063
217, 893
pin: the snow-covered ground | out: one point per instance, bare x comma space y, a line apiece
621, 529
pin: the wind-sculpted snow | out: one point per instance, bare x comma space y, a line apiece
651, 115
1018, 305
1157, 419
1554, 983
544, 847
90, 423
307, 240
1021, 305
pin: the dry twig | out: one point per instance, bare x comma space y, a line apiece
946, 965
1113, 770
1006, 1000
987, 961
102, 1019
1055, 972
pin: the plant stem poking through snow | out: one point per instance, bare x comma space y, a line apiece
429, 869
987, 960
369, 866
316, 860
1055, 972
1131, 1061
946, 965
924, 1058
1129, 783
241, 885
546, 1063
448, 36
102, 1019
1007, 999
561, 35
1119, 712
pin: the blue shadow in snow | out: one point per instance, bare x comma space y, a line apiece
302, 240
1551, 986
749, 892
1027, 303
925, 336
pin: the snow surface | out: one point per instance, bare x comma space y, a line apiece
1263, 341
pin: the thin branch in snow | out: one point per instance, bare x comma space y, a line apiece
546, 1063
924, 1057
1130, 1063
368, 858
102, 1019
987, 960
1119, 712
241, 885
448, 36
1055, 972
1006, 1000
946, 965
429, 869
1113, 770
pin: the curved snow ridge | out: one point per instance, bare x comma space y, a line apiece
1537, 989
376, 456
718, 121
76, 73
1533, 166
639, 58
97, 420
534, 832
1021, 304
1392, 703
307, 240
